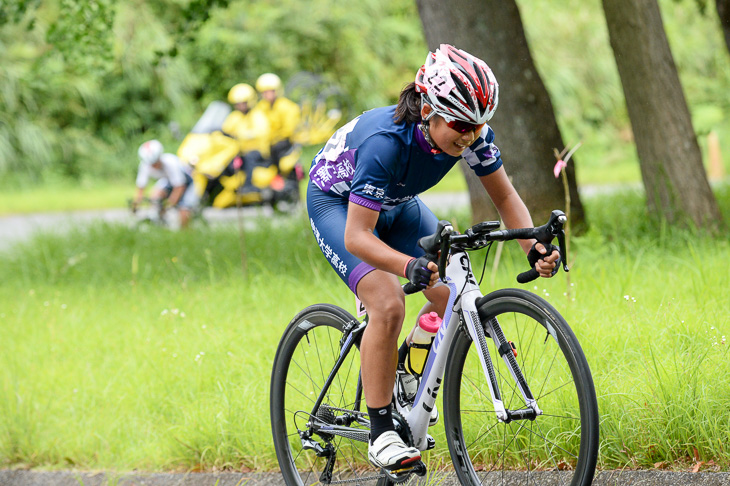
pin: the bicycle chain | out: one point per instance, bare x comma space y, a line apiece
356, 480
355, 412
353, 480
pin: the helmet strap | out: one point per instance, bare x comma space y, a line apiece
424, 127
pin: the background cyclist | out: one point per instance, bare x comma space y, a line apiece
367, 218
283, 114
174, 182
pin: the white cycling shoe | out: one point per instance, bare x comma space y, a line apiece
406, 387
391, 453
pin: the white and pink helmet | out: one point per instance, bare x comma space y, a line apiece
458, 86
150, 151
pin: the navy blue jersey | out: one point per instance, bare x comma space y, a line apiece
377, 163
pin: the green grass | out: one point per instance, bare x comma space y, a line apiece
66, 196
125, 350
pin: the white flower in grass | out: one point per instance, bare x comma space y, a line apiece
164, 312
63, 306
626, 297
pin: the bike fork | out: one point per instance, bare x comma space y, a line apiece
506, 351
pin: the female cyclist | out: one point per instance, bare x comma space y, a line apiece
367, 218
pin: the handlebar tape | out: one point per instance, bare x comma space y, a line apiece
527, 276
409, 288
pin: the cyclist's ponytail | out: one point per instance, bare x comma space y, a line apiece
409, 105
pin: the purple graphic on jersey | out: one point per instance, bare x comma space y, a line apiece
328, 173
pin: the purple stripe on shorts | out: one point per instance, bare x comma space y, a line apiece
357, 274
361, 201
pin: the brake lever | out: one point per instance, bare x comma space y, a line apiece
563, 250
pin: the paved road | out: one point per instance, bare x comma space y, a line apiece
18, 228
67, 478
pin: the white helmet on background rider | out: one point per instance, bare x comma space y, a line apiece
150, 152
268, 81
458, 86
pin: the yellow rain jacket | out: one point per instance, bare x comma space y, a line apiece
283, 118
252, 130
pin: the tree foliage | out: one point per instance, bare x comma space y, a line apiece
85, 81
81, 107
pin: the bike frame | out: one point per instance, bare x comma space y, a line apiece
462, 306
464, 292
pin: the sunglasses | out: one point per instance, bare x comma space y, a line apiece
463, 127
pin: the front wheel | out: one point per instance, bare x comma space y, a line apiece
558, 447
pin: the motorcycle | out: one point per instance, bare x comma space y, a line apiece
218, 172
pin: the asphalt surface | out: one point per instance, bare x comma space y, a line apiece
15, 229
70, 478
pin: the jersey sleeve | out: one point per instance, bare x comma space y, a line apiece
143, 176
483, 156
376, 161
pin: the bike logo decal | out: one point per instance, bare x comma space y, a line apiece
434, 393
464, 261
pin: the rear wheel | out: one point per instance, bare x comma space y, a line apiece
558, 447
307, 353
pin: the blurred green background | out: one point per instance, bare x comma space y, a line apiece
83, 83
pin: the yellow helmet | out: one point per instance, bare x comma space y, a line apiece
242, 93
267, 82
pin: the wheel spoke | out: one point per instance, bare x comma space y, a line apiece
556, 371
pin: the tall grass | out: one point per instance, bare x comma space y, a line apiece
125, 350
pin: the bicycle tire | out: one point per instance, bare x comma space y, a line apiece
558, 447
306, 355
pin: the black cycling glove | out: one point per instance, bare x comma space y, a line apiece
418, 273
533, 256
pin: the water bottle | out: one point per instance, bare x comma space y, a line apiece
423, 336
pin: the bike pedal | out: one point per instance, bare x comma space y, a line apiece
400, 475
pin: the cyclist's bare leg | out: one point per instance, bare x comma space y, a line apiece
384, 301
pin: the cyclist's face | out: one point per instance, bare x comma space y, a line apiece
449, 140
269, 95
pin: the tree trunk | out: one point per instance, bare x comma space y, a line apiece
723, 11
525, 125
671, 161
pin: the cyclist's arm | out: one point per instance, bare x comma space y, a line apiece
515, 214
138, 196
362, 242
